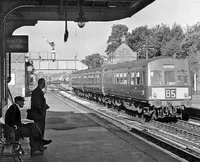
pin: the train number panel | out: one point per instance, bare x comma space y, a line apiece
170, 93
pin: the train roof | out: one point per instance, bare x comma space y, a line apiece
88, 70
134, 63
124, 65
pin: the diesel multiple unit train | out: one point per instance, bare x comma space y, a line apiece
154, 88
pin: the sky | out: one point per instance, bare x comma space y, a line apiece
93, 37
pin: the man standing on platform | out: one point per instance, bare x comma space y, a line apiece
38, 108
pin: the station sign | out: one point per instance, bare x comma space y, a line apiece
17, 44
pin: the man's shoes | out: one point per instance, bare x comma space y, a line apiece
43, 148
46, 142
37, 153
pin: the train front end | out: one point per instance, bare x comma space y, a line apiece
169, 88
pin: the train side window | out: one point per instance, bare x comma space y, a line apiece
128, 77
111, 78
105, 78
97, 78
169, 77
138, 78
84, 79
117, 78
133, 78
125, 78
121, 78
79, 79
156, 78
89, 79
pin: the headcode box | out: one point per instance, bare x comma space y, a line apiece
17, 44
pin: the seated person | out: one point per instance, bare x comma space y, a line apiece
30, 129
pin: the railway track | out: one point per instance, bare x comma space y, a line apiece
182, 138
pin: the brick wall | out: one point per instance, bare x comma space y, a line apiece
17, 84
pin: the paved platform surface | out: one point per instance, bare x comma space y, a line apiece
77, 138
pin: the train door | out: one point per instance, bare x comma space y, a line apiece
137, 85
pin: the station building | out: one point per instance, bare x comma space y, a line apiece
122, 54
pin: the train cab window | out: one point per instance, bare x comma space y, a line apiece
156, 78
169, 77
125, 78
133, 78
138, 78
182, 76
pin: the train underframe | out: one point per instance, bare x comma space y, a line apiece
148, 110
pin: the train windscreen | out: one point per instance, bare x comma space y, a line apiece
169, 77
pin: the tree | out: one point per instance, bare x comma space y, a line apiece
93, 61
114, 40
161, 35
141, 40
190, 47
173, 46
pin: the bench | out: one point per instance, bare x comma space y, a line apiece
10, 147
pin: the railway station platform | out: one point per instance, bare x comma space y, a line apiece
77, 138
